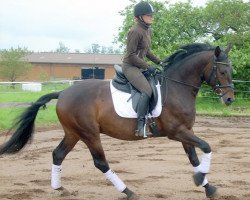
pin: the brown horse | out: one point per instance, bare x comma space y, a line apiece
85, 110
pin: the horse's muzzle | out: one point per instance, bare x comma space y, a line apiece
226, 93
227, 99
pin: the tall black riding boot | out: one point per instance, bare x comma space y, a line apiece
142, 110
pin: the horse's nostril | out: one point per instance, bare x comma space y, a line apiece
229, 101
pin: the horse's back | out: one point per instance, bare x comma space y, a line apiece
84, 89
82, 95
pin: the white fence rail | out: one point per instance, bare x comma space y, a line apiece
38, 86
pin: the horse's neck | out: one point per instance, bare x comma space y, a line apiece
184, 80
191, 70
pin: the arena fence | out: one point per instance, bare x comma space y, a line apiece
51, 86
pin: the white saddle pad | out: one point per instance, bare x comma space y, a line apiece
124, 108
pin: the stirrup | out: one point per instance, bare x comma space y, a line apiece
144, 134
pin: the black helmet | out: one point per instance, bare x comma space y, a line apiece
143, 8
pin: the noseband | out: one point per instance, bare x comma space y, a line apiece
217, 87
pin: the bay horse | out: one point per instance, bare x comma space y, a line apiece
85, 110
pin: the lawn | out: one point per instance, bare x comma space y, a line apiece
213, 107
16, 94
204, 105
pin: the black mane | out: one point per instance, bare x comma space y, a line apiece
186, 51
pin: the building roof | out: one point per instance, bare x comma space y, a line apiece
74, 58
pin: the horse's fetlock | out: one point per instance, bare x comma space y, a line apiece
198, 178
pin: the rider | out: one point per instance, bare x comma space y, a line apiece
138, 47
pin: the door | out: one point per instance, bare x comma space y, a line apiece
99, 73
93, 73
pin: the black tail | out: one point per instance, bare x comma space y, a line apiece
25, 125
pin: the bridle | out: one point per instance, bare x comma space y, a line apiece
217, 87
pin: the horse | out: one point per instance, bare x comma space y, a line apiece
85, 110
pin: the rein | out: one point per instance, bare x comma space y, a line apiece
180, 82
176, 81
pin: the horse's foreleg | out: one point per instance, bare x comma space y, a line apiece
193, 158
188, 138
58, 155
101, 163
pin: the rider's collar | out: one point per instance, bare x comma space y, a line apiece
143, 24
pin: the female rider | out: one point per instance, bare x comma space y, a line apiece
138, 47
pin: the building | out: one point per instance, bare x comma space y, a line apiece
67, 66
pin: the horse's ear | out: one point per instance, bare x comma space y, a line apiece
229, 47
217, 51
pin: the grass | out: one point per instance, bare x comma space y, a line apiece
8, 94
210, 107
214, 107
45, 117
207, 106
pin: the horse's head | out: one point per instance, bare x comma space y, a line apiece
220, 77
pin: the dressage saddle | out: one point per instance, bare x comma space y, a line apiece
121, 83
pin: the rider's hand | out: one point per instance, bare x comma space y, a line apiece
159, 69
151, 70
161, 64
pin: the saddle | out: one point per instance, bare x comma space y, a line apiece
121, 83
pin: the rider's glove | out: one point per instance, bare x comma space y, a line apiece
159, 69
161, 64
151, 70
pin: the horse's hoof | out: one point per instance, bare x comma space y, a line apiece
64, 192
198, 178
130, 195
133, 197
61, 192
211, 191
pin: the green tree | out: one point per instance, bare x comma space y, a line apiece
228, 21
219, 22
62, 48
13, 64
96, 48
181, 23
174, 25
223, 18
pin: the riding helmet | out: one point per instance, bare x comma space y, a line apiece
143, 8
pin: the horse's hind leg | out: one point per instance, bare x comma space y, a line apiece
65, 146
101, 163
193, 158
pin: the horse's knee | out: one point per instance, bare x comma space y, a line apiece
101, 165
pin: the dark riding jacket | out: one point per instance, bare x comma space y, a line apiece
138, 46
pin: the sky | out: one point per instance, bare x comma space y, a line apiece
40, 25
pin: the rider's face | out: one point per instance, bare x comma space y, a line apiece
148, 19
